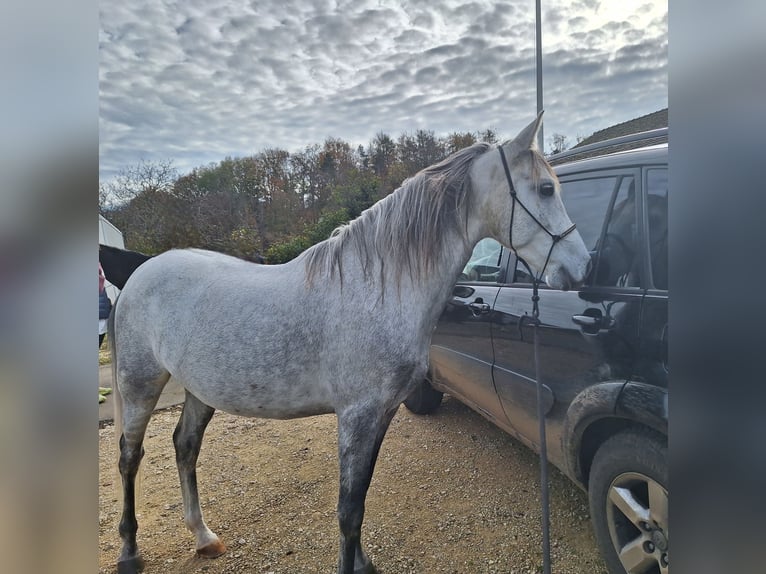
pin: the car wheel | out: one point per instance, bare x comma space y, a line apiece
629, 502
424, 399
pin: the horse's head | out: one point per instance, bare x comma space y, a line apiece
523, 210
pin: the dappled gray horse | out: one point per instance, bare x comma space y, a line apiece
344, 328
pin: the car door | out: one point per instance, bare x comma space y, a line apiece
461, 353
652, 368
586, 336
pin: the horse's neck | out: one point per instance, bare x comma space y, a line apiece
457, 248
435, 289
426, 291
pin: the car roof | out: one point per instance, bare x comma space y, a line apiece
656, 154
631, 150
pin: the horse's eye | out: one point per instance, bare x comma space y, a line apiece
547, 189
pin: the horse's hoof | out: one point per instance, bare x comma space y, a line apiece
130, 566
212, 550
366, 569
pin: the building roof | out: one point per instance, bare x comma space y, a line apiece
658, 119
640, 132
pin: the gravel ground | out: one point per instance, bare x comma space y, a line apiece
451, 494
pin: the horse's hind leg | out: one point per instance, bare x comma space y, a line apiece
187, 439
360, 434
130, 560
138, 403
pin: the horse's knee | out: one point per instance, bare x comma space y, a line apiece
130, 458
131, 448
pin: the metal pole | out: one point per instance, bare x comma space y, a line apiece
539, 67
544, 501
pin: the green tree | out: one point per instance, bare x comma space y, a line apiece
457, 141
358, 192
382, 154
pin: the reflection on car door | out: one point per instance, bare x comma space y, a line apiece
461, 347
586, 336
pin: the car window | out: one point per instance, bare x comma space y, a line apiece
618, 255
657, 218
587, 202
484, 264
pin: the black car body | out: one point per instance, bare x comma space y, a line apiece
602, 348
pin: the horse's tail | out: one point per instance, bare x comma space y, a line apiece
116, 395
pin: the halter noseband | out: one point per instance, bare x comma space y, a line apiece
556, 238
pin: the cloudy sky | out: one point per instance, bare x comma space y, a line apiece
194, 81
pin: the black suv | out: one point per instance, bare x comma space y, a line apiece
602, 348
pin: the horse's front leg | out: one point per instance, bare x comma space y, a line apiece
187, 439
360, 434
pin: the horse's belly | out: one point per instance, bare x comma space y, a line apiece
264, 399
274, 410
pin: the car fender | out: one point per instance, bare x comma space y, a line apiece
645, 404
590, 405
603, 410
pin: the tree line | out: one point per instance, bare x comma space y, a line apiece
273, 204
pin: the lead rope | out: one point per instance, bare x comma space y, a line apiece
544, 498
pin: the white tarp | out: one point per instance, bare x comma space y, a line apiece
108, 234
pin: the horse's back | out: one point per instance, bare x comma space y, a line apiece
234, 333
188, 264
177, 275
182, 291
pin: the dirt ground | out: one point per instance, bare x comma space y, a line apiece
451, 494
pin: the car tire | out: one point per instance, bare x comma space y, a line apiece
628, 492
424, 399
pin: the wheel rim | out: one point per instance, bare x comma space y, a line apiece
637, 516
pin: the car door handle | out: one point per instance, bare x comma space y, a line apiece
594, 323
479, 307
587, 320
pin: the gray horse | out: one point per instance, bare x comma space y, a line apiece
344, 328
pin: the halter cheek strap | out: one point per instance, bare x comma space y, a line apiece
515, 199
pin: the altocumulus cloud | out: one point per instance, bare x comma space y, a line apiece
196, 81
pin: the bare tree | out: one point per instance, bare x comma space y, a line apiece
140, 201
489, 136
557, 143
145, 176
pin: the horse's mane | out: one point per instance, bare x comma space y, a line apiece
406, 229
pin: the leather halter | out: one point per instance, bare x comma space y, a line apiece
555, 237
545, 503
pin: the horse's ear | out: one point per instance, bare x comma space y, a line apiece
527, 138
